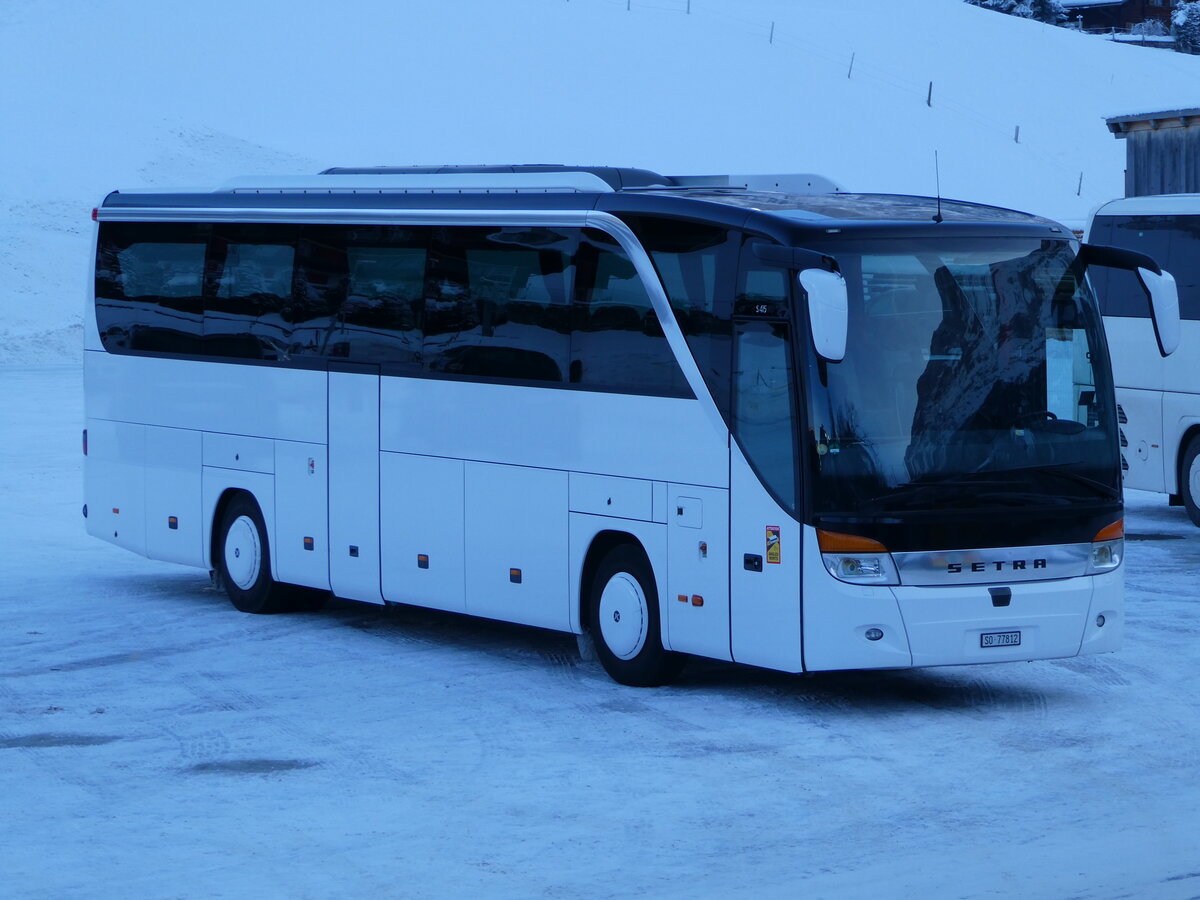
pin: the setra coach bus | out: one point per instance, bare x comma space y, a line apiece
752, 419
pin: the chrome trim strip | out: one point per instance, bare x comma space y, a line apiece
563, 218
998, 565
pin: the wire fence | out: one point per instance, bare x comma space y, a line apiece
783, 37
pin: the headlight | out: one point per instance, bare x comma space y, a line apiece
1106, 555
1108, 548
855, 559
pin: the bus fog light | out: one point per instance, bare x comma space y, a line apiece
874, 634
1099, 621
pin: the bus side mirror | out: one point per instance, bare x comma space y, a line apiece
828, 311
1160, 288
1164, 307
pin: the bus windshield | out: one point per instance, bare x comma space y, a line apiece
975, 376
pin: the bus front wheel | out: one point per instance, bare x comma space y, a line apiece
624, 621
1189, 480
243, 560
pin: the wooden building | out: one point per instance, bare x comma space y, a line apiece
1119, 15
1162, 152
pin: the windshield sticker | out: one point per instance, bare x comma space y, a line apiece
773, 552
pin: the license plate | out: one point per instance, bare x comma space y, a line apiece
1000, 639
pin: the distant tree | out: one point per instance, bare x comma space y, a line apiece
1052, 12
1019, 8
1186, 25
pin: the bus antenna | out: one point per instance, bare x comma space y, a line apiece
937, 174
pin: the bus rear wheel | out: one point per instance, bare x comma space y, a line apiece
1189, 480
243, 560
624, 621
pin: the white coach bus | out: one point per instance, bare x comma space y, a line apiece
1159, 398
804, 431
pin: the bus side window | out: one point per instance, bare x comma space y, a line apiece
1123, 294
359, 294
763, 403
496, 304
149, 281
1184, 264
249, 286
617, 342
697, 264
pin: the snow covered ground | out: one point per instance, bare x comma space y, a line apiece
156, 743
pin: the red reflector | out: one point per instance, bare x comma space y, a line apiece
116, 512
95, 214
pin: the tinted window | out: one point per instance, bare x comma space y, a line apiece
496, 303
1119, 291
1184, 264
763, 404
618, 343
697, 265
249, 292
362, 290
149, 282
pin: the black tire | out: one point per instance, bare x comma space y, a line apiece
624, 621
243, 560
1189, 480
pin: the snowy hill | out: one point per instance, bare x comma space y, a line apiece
124, 93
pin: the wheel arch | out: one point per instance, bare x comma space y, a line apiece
217, 497
1185, 441
601, 544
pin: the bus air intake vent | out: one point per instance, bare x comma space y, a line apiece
1121, 417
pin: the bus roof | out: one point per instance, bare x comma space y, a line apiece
788, 207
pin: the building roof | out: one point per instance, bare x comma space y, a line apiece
1153, 121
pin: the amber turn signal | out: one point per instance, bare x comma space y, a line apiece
836, 542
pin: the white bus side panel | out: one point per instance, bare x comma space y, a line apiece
837, 617
698, 571
1136, 362
1139, 372
652, 438
354, 566
257, 401
301, 511
516, 545
174, 526
422, 516
1143, 433
115, 483
765, 605
1181, 413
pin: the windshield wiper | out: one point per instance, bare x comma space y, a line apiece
990, 488
1064, 470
